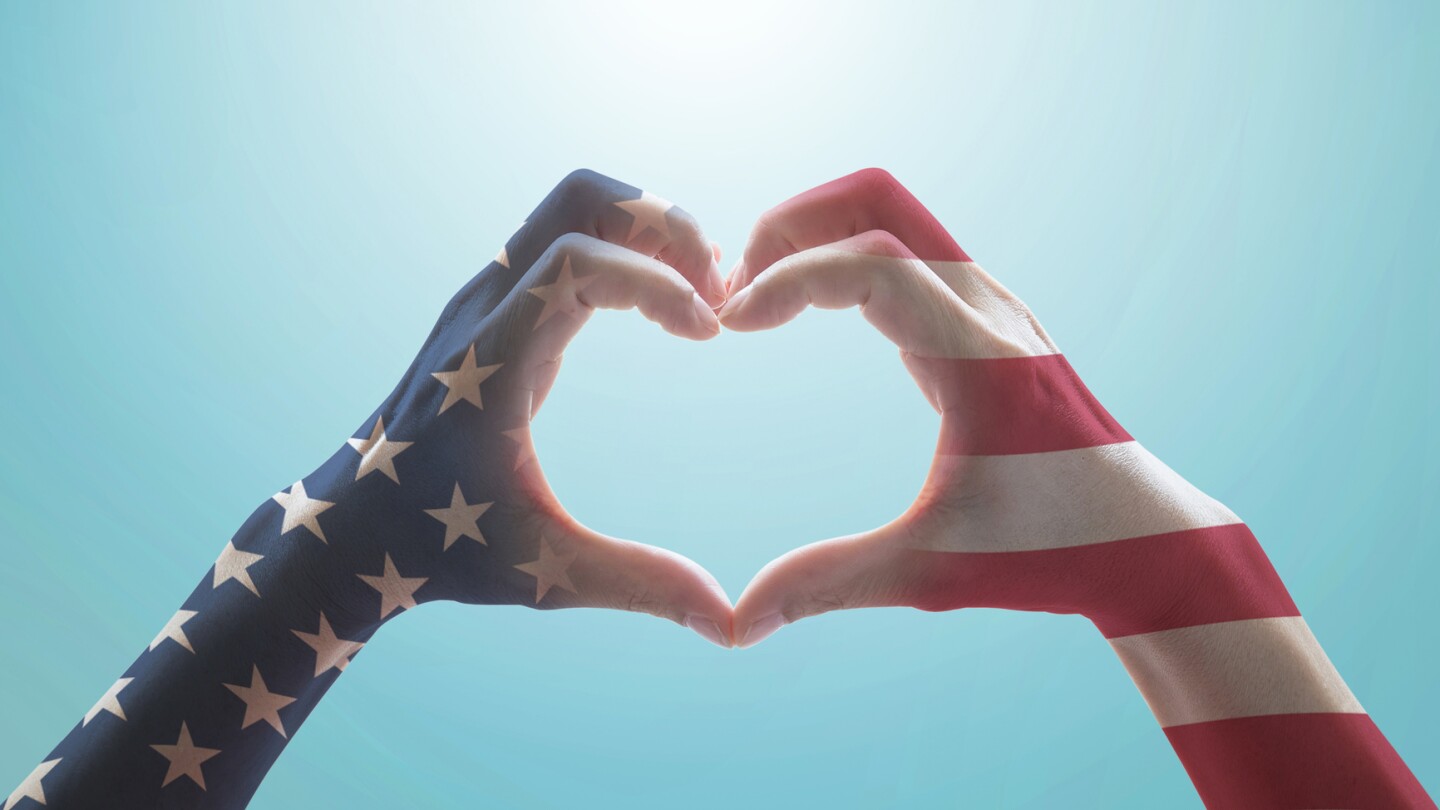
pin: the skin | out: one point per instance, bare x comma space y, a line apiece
1090, 523
204, 712
438, 495
839, 246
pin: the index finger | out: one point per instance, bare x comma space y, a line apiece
589, 203
867, 200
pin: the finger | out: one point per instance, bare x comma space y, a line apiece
589, 203
895, 291
848, 572
578, 275
573, 566
691, 254
870, 199
544, 380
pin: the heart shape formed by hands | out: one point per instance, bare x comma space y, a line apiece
1027, 460
1036, 500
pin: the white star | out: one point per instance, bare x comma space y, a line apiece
301, 510
31, 787
460, 518
174, 630
502, 258
549, 570
378, 452
649, 212
330, 651
396, 592
185, 758
526, 451
464, 381
109, 702
260, 702
563, 296
233, 564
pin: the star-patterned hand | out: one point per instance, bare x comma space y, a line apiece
378, 452
260, 702
649, 212
186, 758
436, 495
463, 383
461, 519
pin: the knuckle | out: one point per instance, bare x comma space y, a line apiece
574, 198
580, 179
642, 599
687, 228
882, 243
876, 181
768, 235
769, 222
686, 220
564, 245
813, 602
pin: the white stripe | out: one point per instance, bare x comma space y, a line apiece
1056, 500
1007, 314
921, 307
1234, 669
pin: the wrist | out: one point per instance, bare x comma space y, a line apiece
1182, 579
339, 545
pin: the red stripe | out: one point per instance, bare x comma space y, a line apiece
1006, 406
1295, 760
867, 200
872, 200
1139, 585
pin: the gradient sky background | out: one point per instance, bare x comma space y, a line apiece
226, 228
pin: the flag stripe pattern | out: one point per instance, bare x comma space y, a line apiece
1125, 586
1086, 521
1039, 500
1019, 405
1231, 669
1093, 524
1296, 760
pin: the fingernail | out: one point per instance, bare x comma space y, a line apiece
708, 630
761, 629
717, 289
734, 277
734, 303
705, 315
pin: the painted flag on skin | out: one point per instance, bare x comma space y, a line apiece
1049, 504
438, 495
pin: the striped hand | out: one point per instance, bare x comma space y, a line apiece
1038, 500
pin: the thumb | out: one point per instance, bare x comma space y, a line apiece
623, 575
847, 572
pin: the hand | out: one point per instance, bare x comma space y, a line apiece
439, 494
1039, 500
1032, 480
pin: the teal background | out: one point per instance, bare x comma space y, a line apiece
225, 229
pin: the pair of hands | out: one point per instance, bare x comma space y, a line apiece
447, 481
1037, 500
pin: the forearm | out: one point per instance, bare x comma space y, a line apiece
1259, 717
439, 496
1039, 500
1205, 627
1059, 509
198, 719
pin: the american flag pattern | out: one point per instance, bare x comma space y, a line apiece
1039, 500
438, 495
